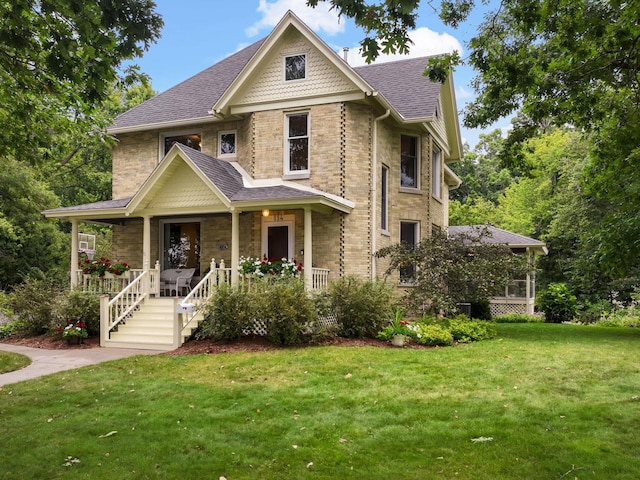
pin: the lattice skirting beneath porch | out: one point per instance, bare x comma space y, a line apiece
260, 326
507, 308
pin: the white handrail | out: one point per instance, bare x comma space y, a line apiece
199, 295
121, 306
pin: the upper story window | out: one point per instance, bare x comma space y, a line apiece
409, 162
295, 67
436, 172
227, 144
297, 143
384, 199
192, 140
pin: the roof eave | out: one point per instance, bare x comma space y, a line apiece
163, 125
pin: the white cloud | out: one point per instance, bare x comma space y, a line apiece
426, 42
318, 19
462, 93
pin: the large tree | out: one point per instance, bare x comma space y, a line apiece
59, 59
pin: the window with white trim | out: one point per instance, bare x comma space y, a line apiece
295, 67
227, 144
193, 140
384, 199
409, 235
297, 143
409, 162
436, 172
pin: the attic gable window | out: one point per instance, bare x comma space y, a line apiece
295, 67
193, 140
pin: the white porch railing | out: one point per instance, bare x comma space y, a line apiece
196, 299
114, 311
319, 278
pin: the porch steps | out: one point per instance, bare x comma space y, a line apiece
150, 328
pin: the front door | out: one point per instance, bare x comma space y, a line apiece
181, 245
278, 242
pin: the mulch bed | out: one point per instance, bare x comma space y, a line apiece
198, 347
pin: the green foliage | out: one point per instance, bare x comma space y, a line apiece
82, 308
557, 303
361, 306
36, 304
517, 318
453, 269
60, 60
432, 334
481, 310
28, 241
464, 330
230, 312
12, 328
621, 314
286, 309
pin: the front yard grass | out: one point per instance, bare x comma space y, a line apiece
12, 361
539, 401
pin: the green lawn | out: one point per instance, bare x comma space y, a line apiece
538, 402
12, 361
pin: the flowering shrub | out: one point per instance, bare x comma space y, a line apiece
101, 266
269, 267
77, 329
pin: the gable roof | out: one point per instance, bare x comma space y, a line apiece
190, 100
500, 236
225, 179
399, 85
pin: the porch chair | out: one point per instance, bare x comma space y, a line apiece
177, 279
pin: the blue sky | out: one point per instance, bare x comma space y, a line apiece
199, 33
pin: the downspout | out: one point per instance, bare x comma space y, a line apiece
374, 190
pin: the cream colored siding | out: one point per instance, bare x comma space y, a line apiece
268, 84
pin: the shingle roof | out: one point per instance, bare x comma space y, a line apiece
403, 84
191, 99
104, 205
496, 235
229, 181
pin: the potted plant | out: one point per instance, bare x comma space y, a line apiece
118, 268
398, 330
74, 332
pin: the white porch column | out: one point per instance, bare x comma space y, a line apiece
146, 243
235, 246
74, 253
146, 252
308, 249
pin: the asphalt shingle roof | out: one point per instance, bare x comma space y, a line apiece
193, 98
495, 235
403, 84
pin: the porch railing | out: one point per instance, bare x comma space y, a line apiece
319, 278
116, 310
193, 303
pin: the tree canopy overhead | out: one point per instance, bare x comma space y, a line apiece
59, 59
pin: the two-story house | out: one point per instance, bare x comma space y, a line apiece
281, 150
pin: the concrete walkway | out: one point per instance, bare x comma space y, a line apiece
45, 362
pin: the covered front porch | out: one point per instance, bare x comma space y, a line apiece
201, 214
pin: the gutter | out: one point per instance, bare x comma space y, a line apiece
374, 190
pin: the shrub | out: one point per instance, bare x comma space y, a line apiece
481, 310
37, 304
81, 307
517, 318
229, 312
557, 303
361, 306
286, 309
11, 328
592, 312
464, 330
431, 334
